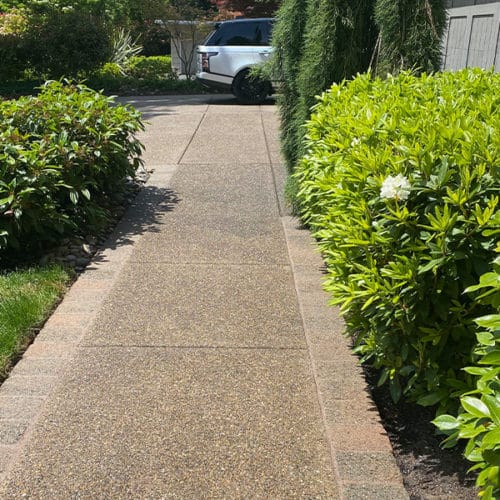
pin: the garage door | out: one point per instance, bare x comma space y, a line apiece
473, 37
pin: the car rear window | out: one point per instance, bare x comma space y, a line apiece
238, 33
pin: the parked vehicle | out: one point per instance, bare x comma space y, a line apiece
229, 52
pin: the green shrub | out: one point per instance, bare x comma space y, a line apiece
11, 57
142, 75
316, 42
150, 68
338, 44
154, 38
109, 78
63, 155
479, 419
288, 43
13, 53
67, 42
400, 186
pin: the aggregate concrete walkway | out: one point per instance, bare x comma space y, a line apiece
196, 356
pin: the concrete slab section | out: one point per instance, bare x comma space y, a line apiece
171, 122
10, 433
19, 408
244, 188
371, 491
270, 121
181, 423
156, 107
171, 152
170, 100
240, 141
280, 176
200, 305
167, 137
225, 239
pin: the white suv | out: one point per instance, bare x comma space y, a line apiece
228, 53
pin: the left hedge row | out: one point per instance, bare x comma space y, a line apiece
65, 155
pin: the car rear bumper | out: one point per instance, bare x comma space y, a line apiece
219, 82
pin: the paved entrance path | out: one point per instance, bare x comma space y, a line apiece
195, 357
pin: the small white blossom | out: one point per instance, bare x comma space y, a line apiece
395, 187
355, 142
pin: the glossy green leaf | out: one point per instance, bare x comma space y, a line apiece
493, 405
492, 358
446, 422
492, 438
475, 406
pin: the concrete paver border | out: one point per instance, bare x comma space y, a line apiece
361, 451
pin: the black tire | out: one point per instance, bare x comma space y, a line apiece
250, 89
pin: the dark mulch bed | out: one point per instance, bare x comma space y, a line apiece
429, 472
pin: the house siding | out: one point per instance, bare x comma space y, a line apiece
468, 3
473, 35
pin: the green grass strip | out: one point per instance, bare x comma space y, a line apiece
26, 299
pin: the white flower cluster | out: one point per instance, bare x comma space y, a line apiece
395, 187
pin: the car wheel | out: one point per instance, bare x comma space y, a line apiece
250, 89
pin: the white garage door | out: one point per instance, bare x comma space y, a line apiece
473, 37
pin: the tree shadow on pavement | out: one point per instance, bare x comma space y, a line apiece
152, 107
144, 215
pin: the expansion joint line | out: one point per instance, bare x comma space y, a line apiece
203, 116
268, 151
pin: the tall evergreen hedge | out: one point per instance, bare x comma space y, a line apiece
338, 44
288, 42
317, 43
411, 33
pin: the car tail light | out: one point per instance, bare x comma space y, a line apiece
205, 60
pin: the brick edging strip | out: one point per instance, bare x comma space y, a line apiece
361, 451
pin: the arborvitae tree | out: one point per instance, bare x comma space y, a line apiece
288, 43
339, 40
317, 42
411, 34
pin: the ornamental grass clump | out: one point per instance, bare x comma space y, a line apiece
400, 186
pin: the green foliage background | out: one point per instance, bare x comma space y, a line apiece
400, 185
478, 421
66, 43
288, 42
316, 43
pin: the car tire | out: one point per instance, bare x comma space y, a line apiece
250, 89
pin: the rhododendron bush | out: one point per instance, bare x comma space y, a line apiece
400, 186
